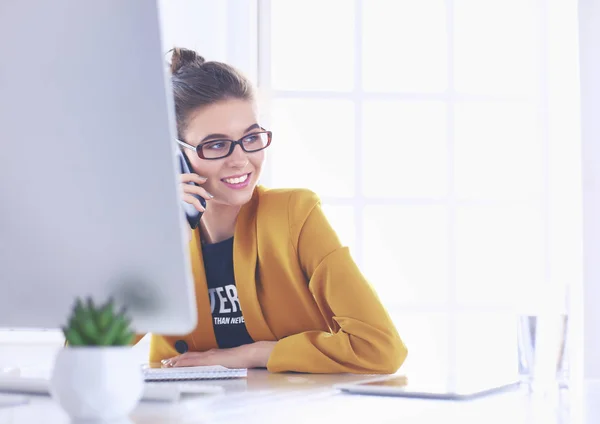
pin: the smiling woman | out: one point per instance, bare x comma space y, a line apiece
275, 288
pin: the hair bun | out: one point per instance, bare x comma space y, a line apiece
184, 57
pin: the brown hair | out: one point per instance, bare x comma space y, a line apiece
198, 83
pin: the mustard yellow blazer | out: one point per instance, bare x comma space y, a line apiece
299, 286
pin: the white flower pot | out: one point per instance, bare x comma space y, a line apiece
97, 383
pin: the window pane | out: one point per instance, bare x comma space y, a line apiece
406, 253
426, 338
499, 255
341, 219
312, 45
404, 149
495, 46
404, 45
498, 151
313, 145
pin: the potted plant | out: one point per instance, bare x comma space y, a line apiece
96, 375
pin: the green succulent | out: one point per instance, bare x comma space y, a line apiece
91, 325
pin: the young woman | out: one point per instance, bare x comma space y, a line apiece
275, 288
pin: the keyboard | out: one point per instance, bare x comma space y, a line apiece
12, 400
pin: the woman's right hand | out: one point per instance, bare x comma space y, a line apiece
190, 189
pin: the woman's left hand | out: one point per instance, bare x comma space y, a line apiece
254, 355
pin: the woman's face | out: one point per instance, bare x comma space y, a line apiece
231, 180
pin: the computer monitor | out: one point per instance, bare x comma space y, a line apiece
89, 187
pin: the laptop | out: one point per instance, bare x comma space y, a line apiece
402, 386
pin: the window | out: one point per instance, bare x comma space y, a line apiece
424, 127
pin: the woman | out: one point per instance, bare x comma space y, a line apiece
275, 288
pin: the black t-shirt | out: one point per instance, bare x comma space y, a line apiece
228, 321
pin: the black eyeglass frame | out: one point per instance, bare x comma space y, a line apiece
198, 149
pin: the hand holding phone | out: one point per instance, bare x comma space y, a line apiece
194, 196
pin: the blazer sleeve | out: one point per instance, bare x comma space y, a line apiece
363, 338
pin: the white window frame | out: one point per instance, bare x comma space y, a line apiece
450, 97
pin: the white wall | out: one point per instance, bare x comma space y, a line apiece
585, 313
590, 131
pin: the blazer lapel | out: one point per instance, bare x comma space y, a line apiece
245, 257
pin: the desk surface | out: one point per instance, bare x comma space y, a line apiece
301, 398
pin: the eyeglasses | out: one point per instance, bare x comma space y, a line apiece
219, 149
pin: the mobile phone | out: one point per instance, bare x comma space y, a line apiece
192, 214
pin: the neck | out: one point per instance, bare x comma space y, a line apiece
218, 222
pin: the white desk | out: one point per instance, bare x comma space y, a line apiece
301, 398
